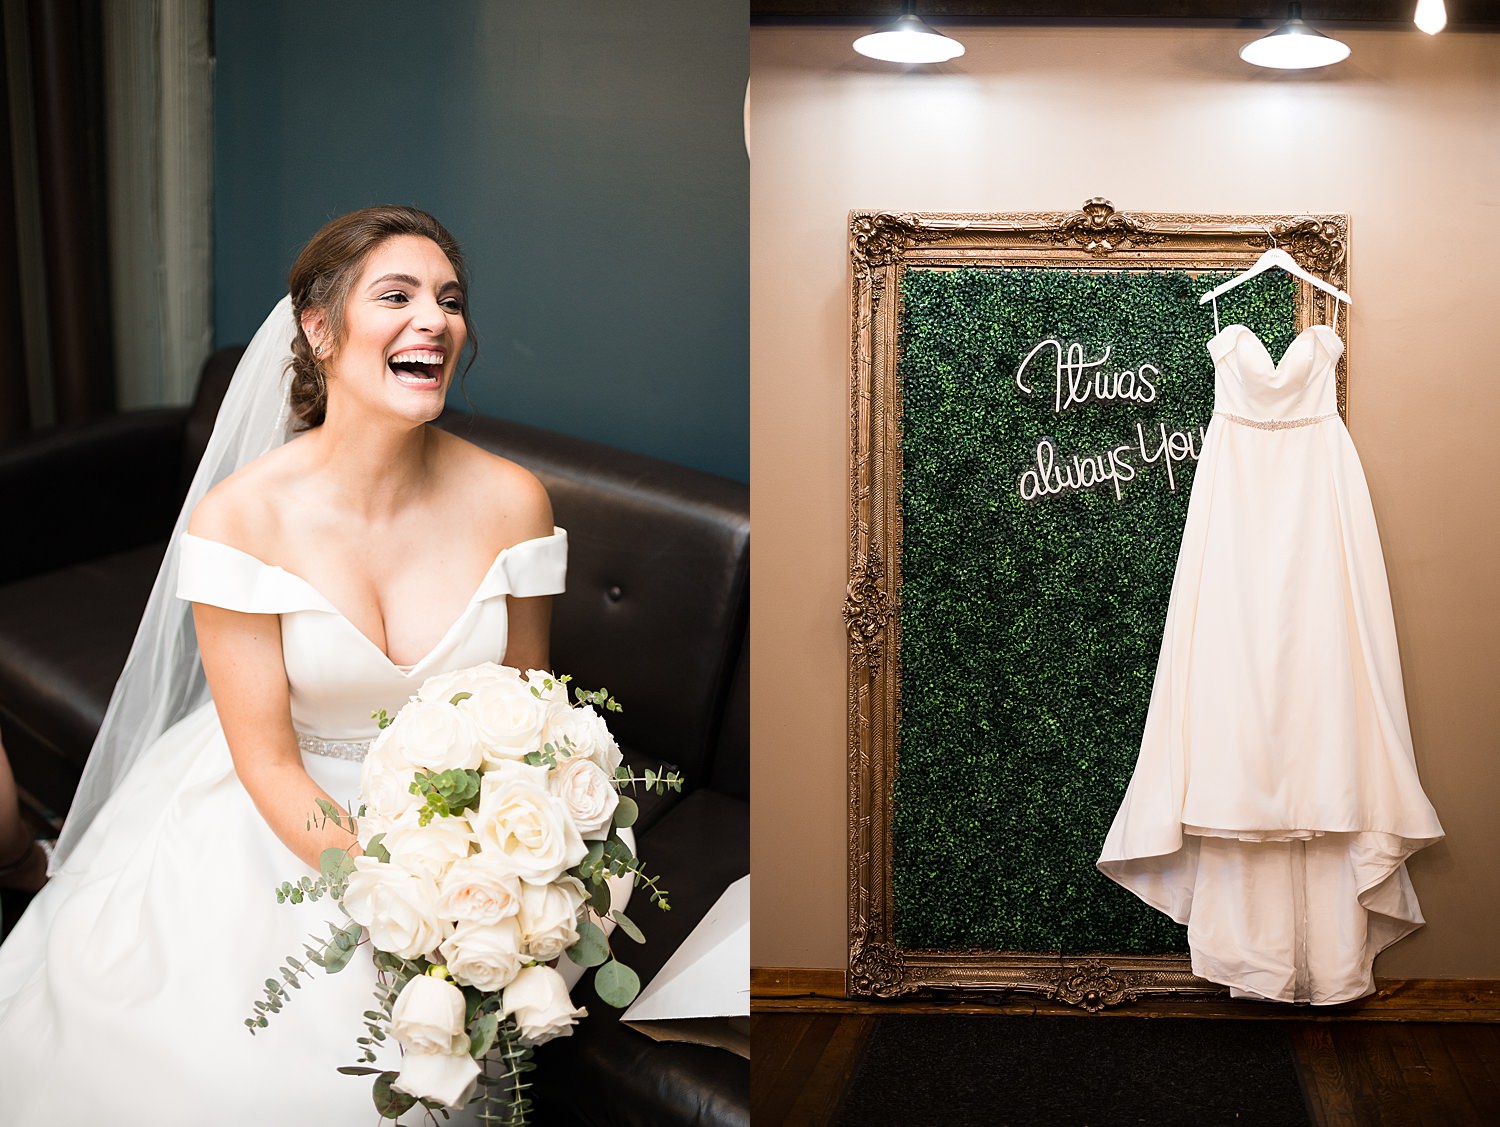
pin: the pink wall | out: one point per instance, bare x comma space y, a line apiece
1405, 137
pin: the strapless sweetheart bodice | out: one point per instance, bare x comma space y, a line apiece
1248, 384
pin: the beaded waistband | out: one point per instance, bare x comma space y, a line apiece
1274, 424
334, 749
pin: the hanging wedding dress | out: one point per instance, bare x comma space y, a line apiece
125, 987
1276, 799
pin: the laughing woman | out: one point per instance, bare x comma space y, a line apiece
327, 577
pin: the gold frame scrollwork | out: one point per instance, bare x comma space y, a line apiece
882, 245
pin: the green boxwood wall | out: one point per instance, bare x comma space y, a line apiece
1030, 628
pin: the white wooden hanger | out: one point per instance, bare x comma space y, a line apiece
1275, 257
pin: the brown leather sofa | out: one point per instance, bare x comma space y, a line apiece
656, 611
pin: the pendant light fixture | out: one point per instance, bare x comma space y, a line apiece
907, 39
1432, 16
1294, 46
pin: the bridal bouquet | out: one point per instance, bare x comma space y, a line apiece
489, 820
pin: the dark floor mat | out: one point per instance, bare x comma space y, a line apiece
953, 1071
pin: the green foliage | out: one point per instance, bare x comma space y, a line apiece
445, 792
334, 867
503, 1099
655, 781
613, 858
331, 954
592, 948
377, 849
388, 1101
599, 898
627, 925
1030, 629
599, 698
626, 813
616, 984
482, 1034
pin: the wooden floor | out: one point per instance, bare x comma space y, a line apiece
1354, 1074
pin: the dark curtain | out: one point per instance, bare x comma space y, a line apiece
15, 398
66, 108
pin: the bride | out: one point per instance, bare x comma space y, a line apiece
326, 577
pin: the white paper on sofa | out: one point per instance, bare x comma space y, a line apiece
708, 977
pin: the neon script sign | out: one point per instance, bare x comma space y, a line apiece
1076, 382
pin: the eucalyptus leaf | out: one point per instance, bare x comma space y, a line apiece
626, 812
335, 865
388, 1101
616, 984
337, 959
592, 948
482, 1036
627, 925
599, 897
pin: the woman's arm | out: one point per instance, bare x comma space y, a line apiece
247, 676
528, 516
530, 630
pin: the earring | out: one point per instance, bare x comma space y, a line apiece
318, 351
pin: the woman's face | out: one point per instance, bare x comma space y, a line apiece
403, 332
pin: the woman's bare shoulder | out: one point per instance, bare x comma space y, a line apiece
243, 510
512, 495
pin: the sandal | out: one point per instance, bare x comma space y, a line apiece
22, 874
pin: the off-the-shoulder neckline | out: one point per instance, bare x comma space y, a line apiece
333, 608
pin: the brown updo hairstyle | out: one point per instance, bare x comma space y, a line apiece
326, 271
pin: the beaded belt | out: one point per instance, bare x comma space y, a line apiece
334, 749
1274, 424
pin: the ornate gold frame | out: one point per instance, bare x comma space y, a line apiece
881, 246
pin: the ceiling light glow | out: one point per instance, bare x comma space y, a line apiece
1432, 16
908, 40
1294, 46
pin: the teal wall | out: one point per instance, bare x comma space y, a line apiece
588, 155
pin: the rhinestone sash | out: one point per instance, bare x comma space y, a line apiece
1274, 424
334, 749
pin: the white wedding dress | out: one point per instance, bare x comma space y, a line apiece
125, 987
1276, 797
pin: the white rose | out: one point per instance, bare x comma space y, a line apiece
385, 778
399, 907
449, 1078
428, 1016
508, 720
370, 826
484, 955
524, 825
436, 736
538, 999
429, 849
582, 732
428, 1019
549, 917
445, 686
588, 793
479, 889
